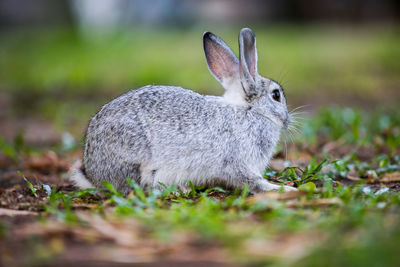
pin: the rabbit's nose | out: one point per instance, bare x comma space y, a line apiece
286, 121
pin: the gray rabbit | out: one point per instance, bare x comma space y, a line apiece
168, 135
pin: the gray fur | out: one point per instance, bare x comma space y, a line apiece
169, 134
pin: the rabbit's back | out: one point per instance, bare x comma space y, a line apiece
141, 127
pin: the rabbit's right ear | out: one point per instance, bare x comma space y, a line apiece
248, 62
222, 62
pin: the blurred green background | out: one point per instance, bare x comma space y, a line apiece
59, 62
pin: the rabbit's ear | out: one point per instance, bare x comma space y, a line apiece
222, 62
248, 62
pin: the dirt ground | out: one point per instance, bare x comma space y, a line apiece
20, 211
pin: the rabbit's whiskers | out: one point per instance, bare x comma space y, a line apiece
294, 128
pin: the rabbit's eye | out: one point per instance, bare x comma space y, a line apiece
276, 95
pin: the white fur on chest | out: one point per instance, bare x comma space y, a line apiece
234, 94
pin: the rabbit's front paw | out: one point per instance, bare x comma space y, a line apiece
289, 188
264, 186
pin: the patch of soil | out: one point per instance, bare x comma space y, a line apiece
103, 242
35, 132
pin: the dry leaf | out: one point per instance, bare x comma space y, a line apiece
353, 178
353, 175
276, 196
329, 146
123, 236
285, 246
322, 202
390, 177
277, 164
47, 163
10, 212
305, 157
300, 159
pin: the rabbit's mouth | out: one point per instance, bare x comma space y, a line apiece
286, 123
279, 119
280, 122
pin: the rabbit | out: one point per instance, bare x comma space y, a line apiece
166, 135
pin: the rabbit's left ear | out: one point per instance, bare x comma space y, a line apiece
221, 61
248, 62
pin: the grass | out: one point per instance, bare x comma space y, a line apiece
358, 216
332, 223
354, 126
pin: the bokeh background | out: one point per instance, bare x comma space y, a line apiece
61, 60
